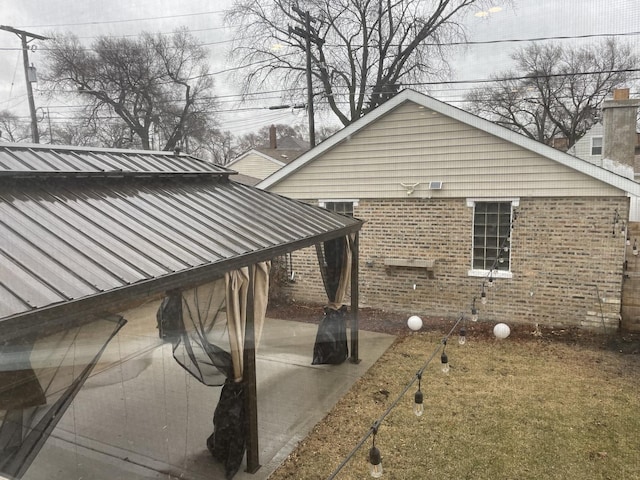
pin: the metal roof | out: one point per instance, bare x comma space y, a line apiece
84, 161
72, 245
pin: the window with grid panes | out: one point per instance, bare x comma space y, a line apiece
596, 146
345, 208
491, 229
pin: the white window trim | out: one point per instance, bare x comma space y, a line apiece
471, 202
494, 274
323, 202
601, 145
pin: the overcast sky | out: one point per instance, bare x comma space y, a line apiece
89, 18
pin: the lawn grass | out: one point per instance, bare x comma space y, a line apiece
534, 408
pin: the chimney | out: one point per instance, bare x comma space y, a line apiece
272, 137
560, 143
619, 139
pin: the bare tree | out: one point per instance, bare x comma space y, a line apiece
157, 86
362, 51
12, 129
555, 90
218, 147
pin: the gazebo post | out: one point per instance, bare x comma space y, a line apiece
249, 374
355, 261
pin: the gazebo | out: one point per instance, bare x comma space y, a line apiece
86, 233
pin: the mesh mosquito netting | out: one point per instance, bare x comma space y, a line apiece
42, 368
206, 326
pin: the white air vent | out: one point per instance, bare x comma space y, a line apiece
435, 185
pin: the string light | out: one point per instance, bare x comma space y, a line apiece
618, 223
635, 246
462, 337
501, 331
474, 310
444, 360
375, 458
374, 429
418, 399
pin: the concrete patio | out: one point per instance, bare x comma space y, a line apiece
141, 416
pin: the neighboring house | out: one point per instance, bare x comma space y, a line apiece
589, 147
438, 189
593, 146
260, 162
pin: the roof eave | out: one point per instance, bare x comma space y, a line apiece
116, 300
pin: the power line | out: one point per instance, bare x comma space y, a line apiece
536, 39
433, 82
443, 44
126, 20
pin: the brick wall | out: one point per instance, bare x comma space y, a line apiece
566, 262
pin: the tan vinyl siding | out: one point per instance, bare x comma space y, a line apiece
255, 166
412, 144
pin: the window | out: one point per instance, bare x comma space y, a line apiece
596, 145
345, 207
491, 237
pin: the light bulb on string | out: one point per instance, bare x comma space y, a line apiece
474, 311
375, 458
444, 360
483, 296
616, 223
462, 337
635, 247
490, 281
418, 400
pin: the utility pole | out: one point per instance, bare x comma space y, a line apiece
25, 58
310, 35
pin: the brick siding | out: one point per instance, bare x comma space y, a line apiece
566, 262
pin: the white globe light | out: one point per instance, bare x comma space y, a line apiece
414, 322
501, 330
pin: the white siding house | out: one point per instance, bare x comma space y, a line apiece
589, 147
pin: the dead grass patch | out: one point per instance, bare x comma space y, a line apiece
521, 408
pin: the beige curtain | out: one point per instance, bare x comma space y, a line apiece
237, 289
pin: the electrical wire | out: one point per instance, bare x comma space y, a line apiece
126, 20
329, 45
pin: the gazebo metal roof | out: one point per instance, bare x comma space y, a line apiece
85, 230
85, 233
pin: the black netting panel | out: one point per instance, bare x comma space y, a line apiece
42, 368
